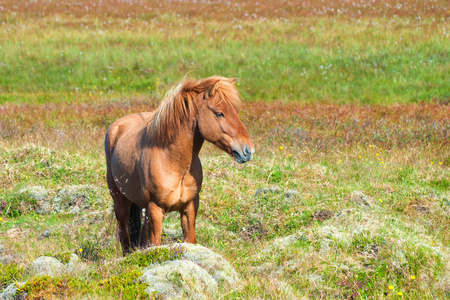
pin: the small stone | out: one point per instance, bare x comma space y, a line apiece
7, 259
14, 233
360, 199
421, 209
322, 215
290, 194
45, 234
75, 263
46, 265
325, 246
197, 276
9, 293
265, 191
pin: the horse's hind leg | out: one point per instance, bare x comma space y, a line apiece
135, 225
125, 212
122, 208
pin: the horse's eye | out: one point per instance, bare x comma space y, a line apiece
219, 115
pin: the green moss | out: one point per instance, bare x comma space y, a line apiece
125, 285
153, 255
63, 257
9, 274
46, 287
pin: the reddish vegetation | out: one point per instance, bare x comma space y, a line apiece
322, 127
229, 9
326, 126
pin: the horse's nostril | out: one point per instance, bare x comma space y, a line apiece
246, 151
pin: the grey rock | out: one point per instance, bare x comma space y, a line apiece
212, 262
7, 259
45, 234
37, 192
323, 215
325, 246
265, 191
179, 279
9, 292
291, 194
40, 195
73, 198
360, 199
198, 275
75, 264
46, 265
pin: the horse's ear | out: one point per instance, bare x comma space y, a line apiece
212, 90
232, 80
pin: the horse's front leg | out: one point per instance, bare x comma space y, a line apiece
154, 217
188, 215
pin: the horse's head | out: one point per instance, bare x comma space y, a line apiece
219, 122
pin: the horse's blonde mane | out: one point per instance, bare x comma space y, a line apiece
179, 105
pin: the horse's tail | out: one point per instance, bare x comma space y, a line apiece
135, 225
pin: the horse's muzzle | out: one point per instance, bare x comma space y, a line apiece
243, 155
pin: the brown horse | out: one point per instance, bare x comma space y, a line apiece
152, 157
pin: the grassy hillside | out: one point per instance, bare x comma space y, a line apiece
346, 102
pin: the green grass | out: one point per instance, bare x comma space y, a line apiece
367, 60
372, 248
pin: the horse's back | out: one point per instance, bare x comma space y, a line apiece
126, 127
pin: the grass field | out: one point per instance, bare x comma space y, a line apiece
347, 104
367, 52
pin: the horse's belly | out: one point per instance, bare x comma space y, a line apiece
176, 199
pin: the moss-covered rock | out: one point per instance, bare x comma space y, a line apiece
47, 265
74, 198
214, 263
196, 273
179, 279
359, 244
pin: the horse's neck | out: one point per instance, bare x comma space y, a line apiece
186, 146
